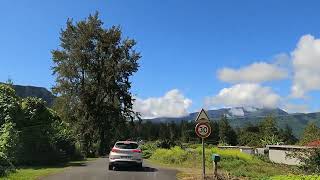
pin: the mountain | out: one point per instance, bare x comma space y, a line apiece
32, 91
240, 116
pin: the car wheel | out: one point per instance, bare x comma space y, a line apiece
139, 165
110, 167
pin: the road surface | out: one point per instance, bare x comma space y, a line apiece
97, 170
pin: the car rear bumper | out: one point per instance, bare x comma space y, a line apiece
124, 163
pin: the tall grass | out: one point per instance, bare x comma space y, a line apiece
233, 161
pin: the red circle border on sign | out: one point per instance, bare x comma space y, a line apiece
203, 123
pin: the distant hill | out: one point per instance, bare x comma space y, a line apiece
32, 91
241, 116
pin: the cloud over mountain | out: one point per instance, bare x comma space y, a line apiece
246, 94
172, 104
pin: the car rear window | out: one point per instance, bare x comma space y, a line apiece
126, 145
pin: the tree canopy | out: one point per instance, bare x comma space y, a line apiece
92, 69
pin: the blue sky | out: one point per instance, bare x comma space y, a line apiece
184, 45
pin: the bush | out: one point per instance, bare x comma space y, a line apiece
166, 144
310, 160
148, 149
45, 139
175, 155
5, 165
9, 140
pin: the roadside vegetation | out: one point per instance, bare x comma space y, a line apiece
233, 162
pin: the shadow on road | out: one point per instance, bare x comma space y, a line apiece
77, 164
131, 169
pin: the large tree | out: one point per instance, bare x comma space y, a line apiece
92, 69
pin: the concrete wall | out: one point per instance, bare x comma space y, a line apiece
247, 150
280, 156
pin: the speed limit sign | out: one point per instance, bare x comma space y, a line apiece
203, 129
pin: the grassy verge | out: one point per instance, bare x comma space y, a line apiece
36, 172
233, 163
296, 177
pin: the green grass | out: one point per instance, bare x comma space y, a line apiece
296, 177
36, 172
232, 161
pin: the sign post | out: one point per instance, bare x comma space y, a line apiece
203, 130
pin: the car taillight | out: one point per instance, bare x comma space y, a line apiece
115, 150
137, 151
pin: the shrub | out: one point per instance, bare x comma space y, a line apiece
310, 160
44, 137
148, 149
166, 144
5, 165
8, 140
175, 155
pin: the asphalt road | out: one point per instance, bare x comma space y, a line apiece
97, 170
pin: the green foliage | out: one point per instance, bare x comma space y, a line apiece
270, 140
10, 110
5, 165
30, 133
310, 133
37, 134
148, 149
268, 127
175, 155
266, 133
226, 132
287, 136
295, 177
310, 160
9, 138
233, 161
92, 71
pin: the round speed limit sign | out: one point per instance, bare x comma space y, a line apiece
203, 129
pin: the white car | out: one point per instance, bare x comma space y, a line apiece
125, 153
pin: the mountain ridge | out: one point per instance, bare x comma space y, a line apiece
34, 91
241, 116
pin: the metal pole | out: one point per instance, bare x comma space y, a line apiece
215, 170
203, 161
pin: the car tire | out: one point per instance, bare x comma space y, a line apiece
110, 167
139, 166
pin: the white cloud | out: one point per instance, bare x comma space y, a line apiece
236, 111
172, 104
294, 108
254, 73
250, 109
245, 95
306, 66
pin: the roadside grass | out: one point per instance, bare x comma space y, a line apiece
296, 177
36, 172
233, 162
